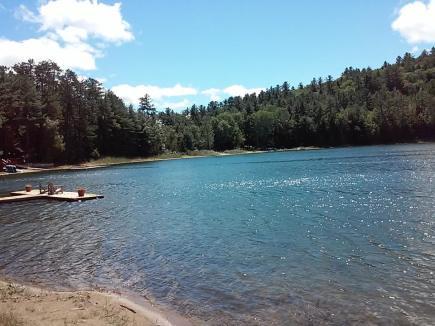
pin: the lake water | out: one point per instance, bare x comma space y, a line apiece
333, 236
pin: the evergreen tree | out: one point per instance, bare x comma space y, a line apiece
146, 105
47, 114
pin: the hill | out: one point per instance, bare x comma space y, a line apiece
52, 115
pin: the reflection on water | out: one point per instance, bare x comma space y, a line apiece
335, 236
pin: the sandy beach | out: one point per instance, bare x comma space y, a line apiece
22, 305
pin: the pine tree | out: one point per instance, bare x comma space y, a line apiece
146, 106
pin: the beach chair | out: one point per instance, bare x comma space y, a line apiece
58, 189
42, 190
51, 189
54, 189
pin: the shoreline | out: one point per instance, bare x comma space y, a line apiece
115, 161
22, 304
19, 300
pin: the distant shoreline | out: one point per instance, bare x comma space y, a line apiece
114, 161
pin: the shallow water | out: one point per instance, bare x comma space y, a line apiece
334, 236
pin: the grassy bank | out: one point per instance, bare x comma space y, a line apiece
165, 156
110, 160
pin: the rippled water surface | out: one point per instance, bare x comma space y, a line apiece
334, 236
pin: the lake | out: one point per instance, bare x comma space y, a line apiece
331, 236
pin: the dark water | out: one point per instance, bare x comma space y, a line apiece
336, 236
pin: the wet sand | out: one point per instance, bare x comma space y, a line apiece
27, 305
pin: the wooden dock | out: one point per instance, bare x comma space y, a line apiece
17, 196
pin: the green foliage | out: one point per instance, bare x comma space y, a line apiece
52, 115
146, 106
227, 133
264, 125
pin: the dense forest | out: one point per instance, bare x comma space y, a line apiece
51, 115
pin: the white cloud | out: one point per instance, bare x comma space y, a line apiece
44, 48
175, 105
416, 22
239, 90
213, 93
131, 94
216, 94
83, 18
70, 29
72, 34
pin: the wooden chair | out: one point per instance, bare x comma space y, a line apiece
51, 189
42, 190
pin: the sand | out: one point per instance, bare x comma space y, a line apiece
29, 306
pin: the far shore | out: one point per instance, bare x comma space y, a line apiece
23, 305
113, 161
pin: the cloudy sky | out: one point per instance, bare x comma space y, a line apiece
183, 52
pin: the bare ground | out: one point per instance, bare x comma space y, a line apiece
27, 306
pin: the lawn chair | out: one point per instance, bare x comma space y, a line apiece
58, 189
51, 189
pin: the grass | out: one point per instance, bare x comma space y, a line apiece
110, 160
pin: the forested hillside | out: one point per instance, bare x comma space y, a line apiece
51, 115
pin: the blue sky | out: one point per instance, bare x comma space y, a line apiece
191, 51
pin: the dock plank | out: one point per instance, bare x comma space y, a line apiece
73, 196
25, 193
22, 195
13, 199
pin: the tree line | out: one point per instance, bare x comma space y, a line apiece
51, 115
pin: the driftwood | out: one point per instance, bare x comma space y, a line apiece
132, 310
